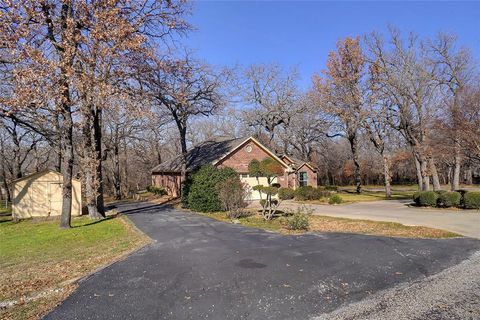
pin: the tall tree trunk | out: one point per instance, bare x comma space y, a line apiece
433, 170
357, 175
97, 137
117, 184
58, 145
387, 176
456, 171
90, 164
17, 165
419, 173
67, 164
183, 143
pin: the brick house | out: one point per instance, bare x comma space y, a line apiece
236, 154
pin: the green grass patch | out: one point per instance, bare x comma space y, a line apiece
38, 255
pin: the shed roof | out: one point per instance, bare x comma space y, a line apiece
38, 173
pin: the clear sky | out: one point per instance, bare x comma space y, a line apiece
297, 33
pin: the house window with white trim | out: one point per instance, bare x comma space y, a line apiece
244, 175
303, 179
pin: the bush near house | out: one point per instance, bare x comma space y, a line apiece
311, 193
232, 193
306, 193
471, 200
203, 189
449, 199
286, 193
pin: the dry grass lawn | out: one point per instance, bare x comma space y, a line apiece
40, 262
341, 225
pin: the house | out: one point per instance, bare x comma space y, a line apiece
236, 154
40, 195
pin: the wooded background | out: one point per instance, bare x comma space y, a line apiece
105, 90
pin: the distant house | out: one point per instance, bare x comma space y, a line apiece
236, 154
40, 195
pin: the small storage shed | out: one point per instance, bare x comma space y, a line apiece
40, 195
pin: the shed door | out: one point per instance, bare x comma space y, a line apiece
55, 197
38, 199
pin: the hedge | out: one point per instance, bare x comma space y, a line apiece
471, 200
428, 198
286, 193
449, 199
306, 193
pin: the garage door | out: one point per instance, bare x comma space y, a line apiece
251, 182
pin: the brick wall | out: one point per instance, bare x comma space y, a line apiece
168, 181
240, 159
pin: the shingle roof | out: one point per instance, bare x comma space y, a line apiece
200, 155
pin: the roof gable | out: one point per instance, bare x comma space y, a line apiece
256, 142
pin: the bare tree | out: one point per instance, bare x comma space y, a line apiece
184, 89
306, 129
271, 93
402, 72
453, 71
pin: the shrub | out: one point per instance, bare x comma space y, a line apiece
331, 188
299, 221
286, 193
449, 199
203, 190
159, 191
428, 198
232, 193
335, 199
306, 193
471, 200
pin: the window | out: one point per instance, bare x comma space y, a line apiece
244, 175
248, 148
303, 178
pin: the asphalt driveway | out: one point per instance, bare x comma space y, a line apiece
200, 268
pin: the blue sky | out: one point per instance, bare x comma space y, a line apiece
297, 33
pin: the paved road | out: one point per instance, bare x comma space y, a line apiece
465, 222
200, 268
